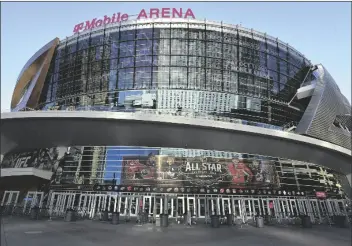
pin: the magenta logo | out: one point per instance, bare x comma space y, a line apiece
143, 14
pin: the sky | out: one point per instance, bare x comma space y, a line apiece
319, 30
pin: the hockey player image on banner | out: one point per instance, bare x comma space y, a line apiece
251, 173
169, 171
140, 170
240, 172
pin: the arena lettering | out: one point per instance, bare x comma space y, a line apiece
143, 14
166, 13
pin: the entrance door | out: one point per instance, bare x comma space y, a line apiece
133, 206
237, 208
10, 198
181, 206
256, 207
226, 206
173, 205
201, 207
191, 206
33, 199
158, 206
294, 207
147, 204
247, 208
315, 210
60, 202
213, 206
85, 204
123, 205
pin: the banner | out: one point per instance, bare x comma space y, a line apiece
45, 159
168, 171
140, 170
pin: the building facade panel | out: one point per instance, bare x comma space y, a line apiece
326, 106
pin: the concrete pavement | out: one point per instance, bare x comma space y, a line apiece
22, 231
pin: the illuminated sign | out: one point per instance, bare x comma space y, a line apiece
143, 14
320, 194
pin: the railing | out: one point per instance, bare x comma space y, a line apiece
144, 111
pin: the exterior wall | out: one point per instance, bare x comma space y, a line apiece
31, 79
326, 104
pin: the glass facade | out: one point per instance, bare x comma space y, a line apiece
198, 70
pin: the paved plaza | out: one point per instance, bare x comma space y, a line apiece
22, 231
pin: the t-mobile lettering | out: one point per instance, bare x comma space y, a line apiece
143, 14
115, 18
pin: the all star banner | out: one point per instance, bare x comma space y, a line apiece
159, 170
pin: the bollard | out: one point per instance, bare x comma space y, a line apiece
105, 215
164, 220
145, 217
34, 214
306, 223
259, 222
115, 218
157, 221
215, 221
70, 215
267, 219
229, 219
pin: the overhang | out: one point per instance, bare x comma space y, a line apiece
41, 129
11, 172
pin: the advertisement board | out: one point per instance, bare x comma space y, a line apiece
168, 171
45, 159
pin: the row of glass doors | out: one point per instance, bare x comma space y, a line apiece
200, 207
14, 199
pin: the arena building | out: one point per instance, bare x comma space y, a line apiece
168, 114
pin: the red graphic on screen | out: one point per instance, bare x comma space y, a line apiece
241, 174
136, 170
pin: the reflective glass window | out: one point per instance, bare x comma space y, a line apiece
125, 78
127, 35
112, 80
178, 77
144, 60
272, 63
143, 78
179, 33
196, 78
127, 49
145, 33
179, 46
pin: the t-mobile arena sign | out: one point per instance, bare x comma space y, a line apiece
143, 14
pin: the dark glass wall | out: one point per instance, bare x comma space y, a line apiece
201, 71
